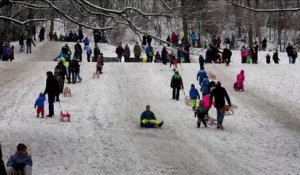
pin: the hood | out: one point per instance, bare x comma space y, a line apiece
205, 81
41, 95
242, 72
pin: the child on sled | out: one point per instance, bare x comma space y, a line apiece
239, 84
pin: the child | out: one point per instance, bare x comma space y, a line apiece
239, 84
205, 87
173, 60
194, 94
100, 63
275, 57
268, 59
40, 104
200, 112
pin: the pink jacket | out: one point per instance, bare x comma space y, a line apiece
240, 78
206, 101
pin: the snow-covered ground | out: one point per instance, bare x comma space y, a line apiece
104, 136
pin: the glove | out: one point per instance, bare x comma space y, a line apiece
34, 106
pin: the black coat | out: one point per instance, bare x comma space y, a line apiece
289, 50
61, 70
176, 82
52, 86
220, 94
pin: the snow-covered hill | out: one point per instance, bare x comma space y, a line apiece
104, 136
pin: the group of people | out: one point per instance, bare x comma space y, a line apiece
250, 54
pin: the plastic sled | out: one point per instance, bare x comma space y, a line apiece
65, 117
187, 101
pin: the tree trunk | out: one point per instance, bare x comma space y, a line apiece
2, 165
250, 34
184, 23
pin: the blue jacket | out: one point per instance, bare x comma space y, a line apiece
18, 160
88, 50
86, 41
194, 94
149, 51
205, 86
193, 36
40, 100
59, 56
201, 75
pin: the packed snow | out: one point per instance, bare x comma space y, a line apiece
104, 137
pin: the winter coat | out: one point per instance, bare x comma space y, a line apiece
276, 58
240, 79
88, 50
149, 39
78, 49
19, 161
119, 50
164, 53
176, 81
244, 52
127, 52
100, 62
201, 75
149, 115
201, 110
205, 86
96, 52
194, 94
289, 50
174, 38
86, 41
227, 53
52, 86
21, 40
268, 59
137, 50
29, 41
206, 101
219, 93
149, 51
76, 66
193, 36
157, 57
40, 100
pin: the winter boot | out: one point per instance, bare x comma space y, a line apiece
160, 124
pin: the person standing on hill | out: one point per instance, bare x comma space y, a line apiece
149, 40
275, 57
78, 51
164, 55
119, 52
96, 53
201, 75
21, 42
264, 44
52, 89
176, 85
227, 55
126, 53
29, 41
137, 52
289, 51
149, 53
88, 51
220, 94
144, 41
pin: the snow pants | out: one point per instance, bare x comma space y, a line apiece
194, 103
27, 170
176, 93
155, 122
40, 110
201, 118
290, 59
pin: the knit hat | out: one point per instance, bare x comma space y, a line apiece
21, 146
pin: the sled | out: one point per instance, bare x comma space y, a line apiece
96, 75
210, 120
236, 88
67, 92
187, 100
65, 117
147, 125
229, 110
212, 75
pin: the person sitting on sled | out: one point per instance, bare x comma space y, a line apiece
148, 119
239, 84
20, 161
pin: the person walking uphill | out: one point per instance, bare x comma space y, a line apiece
52, 89
220, 94
176, 84
20, 161
137, 52
194, 94
148, 119
119, 52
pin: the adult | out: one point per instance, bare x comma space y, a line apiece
174, 39
193, 38
294, 56
264, 44
164, 55
71, 71
29, 41
20, 161
88, 51
227, 55
176, 85
60, 73
2, 166
137, 52
80, 35
149, 40
149, 53
86, 42
254, 52
219, 94
289, 51
21, 42
96, 53
148, 119
52, 89
126, 53
119, 52
168, 40
78, 51
201, 61
144, 41
201, 75
42, 34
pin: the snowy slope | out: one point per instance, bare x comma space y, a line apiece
104, 135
